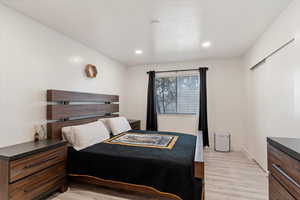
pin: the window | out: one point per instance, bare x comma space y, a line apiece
177, 94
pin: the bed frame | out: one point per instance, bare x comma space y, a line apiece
67, 108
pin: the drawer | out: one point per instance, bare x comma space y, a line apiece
39, 183
285, 169
34, 163
277, 192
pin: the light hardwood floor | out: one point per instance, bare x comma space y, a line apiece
229, 176
232, 176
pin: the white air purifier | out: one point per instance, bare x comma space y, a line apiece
222, 142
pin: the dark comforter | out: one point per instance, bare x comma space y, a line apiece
170, 171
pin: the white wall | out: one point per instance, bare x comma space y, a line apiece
225, 98
34, 58
274, 88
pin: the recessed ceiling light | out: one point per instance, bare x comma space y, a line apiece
138, 52
206, 44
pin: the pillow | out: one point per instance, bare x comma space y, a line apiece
118, 125
67, 134
105, 122
83, 136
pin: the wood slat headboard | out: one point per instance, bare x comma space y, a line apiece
68, 108
58, 112
67, 96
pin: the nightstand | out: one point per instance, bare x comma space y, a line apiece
32, 170
135, 124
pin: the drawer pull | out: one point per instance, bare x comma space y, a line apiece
40, 163
285, 175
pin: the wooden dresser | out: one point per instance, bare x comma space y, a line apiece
32, 170
284, 168
135, 124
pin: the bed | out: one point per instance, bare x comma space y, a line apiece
176, 172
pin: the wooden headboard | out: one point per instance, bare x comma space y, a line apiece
67, 108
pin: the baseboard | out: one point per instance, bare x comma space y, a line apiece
250, 157
247, 153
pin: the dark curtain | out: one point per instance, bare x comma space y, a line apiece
151, 104
203, 126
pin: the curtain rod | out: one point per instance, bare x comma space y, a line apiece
182, 70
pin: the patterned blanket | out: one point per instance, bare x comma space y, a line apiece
144, 140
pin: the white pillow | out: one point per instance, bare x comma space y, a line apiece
105, 122
118, 125
67, 134
83, 136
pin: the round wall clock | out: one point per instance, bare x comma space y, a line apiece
91, 71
